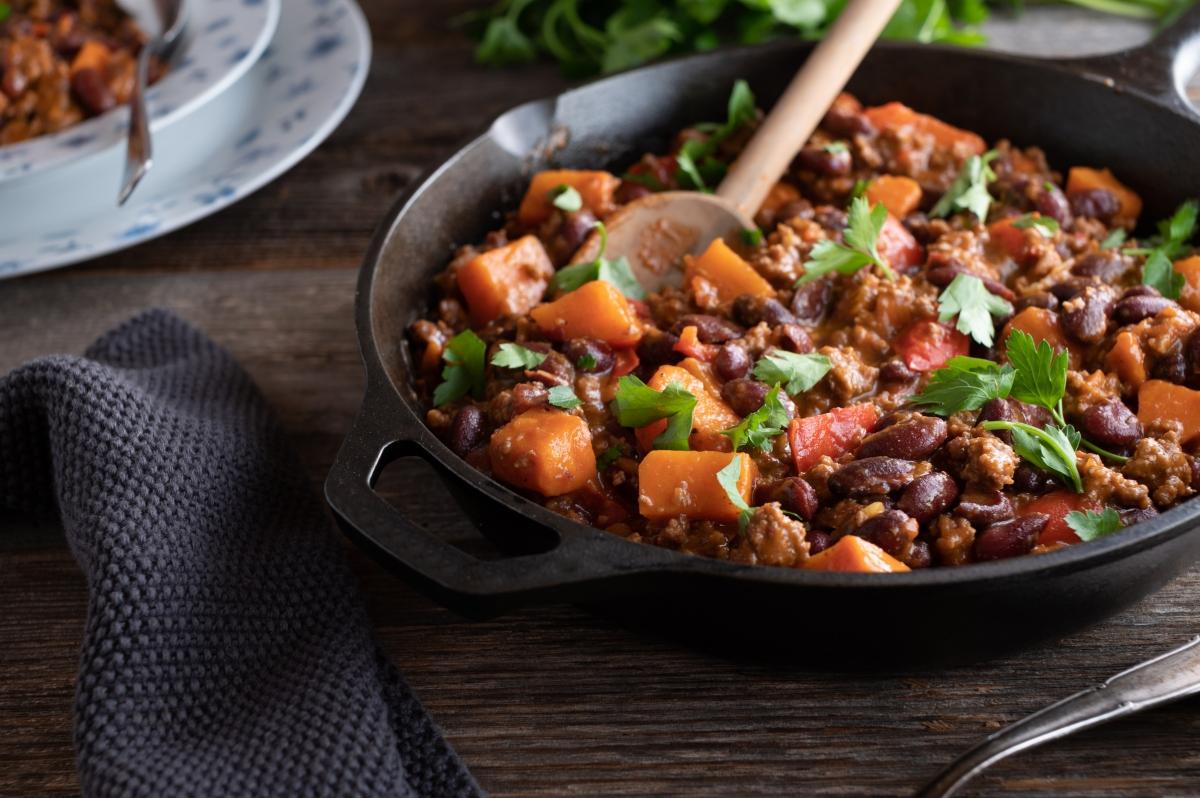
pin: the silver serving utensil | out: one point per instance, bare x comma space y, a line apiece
1166, 678
139, 151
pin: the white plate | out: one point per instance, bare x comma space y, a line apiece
285, 106
223, 39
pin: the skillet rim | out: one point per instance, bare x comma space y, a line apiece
380, 387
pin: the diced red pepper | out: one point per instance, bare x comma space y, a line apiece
898, 246
625, 360
1056, 505
689, 344
833, 433
926, 345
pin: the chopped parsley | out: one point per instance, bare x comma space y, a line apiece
1114, 239
965, 383
728, 478
637, 404
1050, 448
1171, 242
968, 298
562, 396
586, 361
1041, 372
861, 247
1089, 524
464, 372
608, 457
617, 272
566, 198
1046, 225
836, 147
969, 191
796, 373
515, 356
698, 167
752, 237
762, 426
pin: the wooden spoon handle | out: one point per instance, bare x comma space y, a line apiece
799, 111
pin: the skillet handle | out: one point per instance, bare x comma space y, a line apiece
1160, 68
579, 560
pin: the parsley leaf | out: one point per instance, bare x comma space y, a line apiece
969, 299
1114, 239
562, 396
698, 167
637, 404
861, 247
1173, 236
515, 356
761, 426
586, 362
1046, 225
608, 457
752, 237
969, 191
965, 383
617, 272
860, 188
728, 478
836, 147
1050, 448
464, 371
1089, 524
1159, 272
1041, 372
797, 373
566, 198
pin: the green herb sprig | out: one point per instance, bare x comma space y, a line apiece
515, 356
464, 371
796, 373
969, 191
699, 169
861, 247
637, 404
1174, 233
760, 428
616, 271
1089, 524
563, 397
968, 298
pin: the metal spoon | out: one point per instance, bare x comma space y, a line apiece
656, 231
1166, 678
139, 152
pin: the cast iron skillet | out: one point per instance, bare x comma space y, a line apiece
1125, 111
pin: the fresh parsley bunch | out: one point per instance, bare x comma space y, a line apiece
1172, 242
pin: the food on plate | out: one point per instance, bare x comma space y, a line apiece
930, 352
63, 61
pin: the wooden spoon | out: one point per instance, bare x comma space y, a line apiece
656, 231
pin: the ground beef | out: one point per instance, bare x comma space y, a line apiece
781, 261
1088, 389
1160, 465
772, 538
1102, 484
953, 538
849, 376
984, 460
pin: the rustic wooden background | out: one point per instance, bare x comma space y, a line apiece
549, 700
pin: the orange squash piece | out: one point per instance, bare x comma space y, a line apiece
900, 195
725, 270
544, 451
1159, 399
1127, 360
596, 189
711, 414
92, 55
507, 280
674, 483
689, 344
1042, 325
1190, 269
594, 310
1083, 178
852, 554
896, 116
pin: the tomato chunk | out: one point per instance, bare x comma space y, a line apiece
1056, 505
833, 433
927, 345
898, 246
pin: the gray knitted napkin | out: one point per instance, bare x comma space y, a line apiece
226, 650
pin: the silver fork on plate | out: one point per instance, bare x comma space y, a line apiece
139, 151
1166, 678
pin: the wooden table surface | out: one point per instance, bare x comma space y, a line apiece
549, 700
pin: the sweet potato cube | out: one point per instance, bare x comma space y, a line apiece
852, 554
1190, 269
1082, 178
900, 195
544, 451
674, 483
1159, 399
711, 414
507, 280
92, 55
1042, 325
1127, 360
596, 189
725, 270
896, 116
594, 310
1008, 239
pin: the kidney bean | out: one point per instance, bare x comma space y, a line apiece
1000, 410
1191, 359
942, 276
928, 496
657, 348
1111, 424
796, 209
1070, 288
91, 90
527, 396
831, 218
581, 349
1009, 538
1133, 309
1135, 515
575, 228
1140, 290
897, 373
749, 310
845, 118
891, 530
554, 370
1031, 479
1050, 201
872, 476
732, 362
466, 430
710, 329
1171, 367
919, 555
1194, 462
823, 162
982, 509
818, 541
810, 303
628, 192
794, 338
1042, 299
745, 395
1106, 264
912, 439
794, 494
1085, 317
1098, 203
